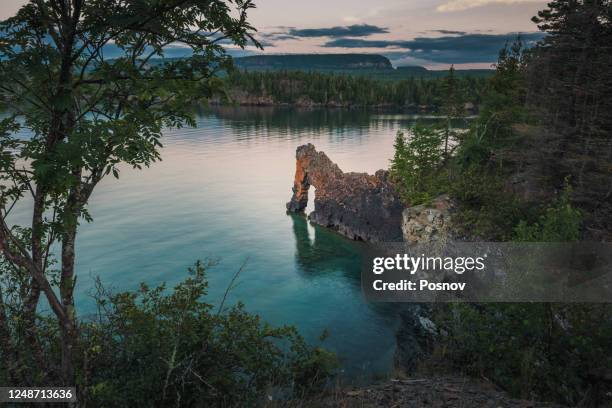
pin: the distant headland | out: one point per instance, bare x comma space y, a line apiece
374, 65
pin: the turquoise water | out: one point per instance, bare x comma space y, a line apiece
220, 192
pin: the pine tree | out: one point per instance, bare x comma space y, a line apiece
452, 106
571, 82
398, 163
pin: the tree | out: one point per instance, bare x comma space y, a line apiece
573, 59
452, 106
416, 164
82, 77
570, 85
503, 106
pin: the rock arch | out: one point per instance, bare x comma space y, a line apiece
357, 205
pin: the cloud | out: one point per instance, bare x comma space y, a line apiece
281, 37
276, 36
355, 30
449, 32
351, 19
283, 33
466, 48
269, 39
460, 5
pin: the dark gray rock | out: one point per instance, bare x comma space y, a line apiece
415, 338
357, 205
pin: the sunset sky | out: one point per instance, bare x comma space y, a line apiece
431, 33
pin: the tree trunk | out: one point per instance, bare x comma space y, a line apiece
31, 302
68, 326
446, 135
9, 354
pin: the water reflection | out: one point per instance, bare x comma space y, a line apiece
290, 119
320, 251
334, 121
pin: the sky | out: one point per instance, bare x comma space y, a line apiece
430, 33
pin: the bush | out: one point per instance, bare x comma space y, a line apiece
155, 347
485, 211
543, 351
559, 223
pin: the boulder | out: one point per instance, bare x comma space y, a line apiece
428, 223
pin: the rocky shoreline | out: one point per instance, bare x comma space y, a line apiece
361, 206
242, 98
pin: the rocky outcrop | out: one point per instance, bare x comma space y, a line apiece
428, 223
415, 338
357, 205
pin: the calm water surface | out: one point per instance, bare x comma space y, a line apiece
220, 192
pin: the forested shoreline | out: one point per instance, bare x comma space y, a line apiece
337, 90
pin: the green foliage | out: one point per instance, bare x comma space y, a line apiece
503, 106
332, 89
570, 88
541, 351
416, 163
559, 223
486, 210
452, 105
569, 73
86, 113
537, 351
161, 347
452, 108
477, 173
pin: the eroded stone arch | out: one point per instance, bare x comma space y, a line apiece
357, 205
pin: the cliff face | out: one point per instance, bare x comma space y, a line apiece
357, 205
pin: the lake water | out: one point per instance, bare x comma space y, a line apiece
220, 192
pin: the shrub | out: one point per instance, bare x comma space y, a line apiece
543, 351
559, 223
485, 209
159, 347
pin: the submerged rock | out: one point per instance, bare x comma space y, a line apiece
357, 205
